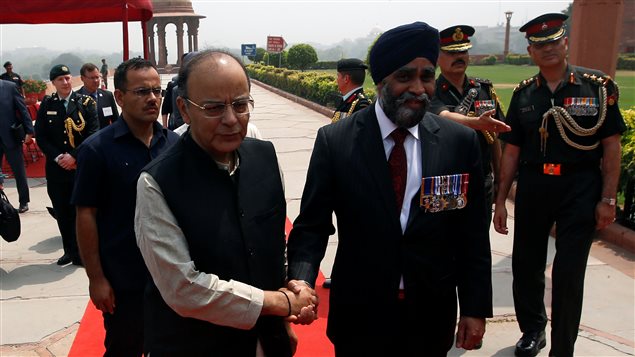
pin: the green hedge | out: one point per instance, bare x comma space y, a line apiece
324, 65
489, 60
626, 62
317, 87
628, 147
518, 59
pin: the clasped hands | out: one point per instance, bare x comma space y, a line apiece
303, 302
66, 161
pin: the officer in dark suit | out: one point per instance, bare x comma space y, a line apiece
351, 73
13, 111
65, 120
407, 189
565, 146
106, 105
469, 96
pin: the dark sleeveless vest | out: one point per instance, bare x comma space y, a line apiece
234, 227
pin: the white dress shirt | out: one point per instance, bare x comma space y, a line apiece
412, 145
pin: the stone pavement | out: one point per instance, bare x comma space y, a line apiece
41, 304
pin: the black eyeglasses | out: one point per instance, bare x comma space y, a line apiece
241, 108
144, 92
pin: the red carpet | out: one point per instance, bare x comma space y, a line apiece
312, 340
33, 159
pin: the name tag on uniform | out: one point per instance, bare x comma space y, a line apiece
51, 112
444, 193
527, 109
107, 111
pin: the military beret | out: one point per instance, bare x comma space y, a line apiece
7, 64
400, 45
456, 38
59, 70
350, 64
545, 28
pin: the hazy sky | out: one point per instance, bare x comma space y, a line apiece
231, 23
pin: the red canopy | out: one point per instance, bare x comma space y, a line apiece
76, 12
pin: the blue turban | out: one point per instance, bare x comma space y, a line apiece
397, 47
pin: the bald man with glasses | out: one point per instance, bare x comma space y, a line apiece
212, 210
107, 170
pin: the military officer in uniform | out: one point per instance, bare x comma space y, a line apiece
469, 96
65, 120
9, 75
351, 73
565, 146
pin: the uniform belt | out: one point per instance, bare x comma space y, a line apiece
560, 169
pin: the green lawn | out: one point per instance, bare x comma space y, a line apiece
505, 77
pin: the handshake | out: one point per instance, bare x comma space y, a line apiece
298, 302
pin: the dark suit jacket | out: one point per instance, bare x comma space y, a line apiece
438, 254
12, 103
105, 99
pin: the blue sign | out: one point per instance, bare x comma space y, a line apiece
248, 50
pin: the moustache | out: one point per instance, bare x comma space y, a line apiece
423, 98
459, 61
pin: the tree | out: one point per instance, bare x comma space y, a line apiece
260, 55
73, 62
301, 56
370, 48
273, 59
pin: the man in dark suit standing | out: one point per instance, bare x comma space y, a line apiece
106, 106
65, 120
13, 111
407, 189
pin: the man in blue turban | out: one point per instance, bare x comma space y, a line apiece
407, 189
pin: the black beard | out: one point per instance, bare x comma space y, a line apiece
399, 114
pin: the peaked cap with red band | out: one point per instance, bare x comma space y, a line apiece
545, 28
456, 38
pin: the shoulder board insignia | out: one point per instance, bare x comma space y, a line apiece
599, 80
524, 83
87, 100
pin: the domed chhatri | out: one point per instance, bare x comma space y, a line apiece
178, 13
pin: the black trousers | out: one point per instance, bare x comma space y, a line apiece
542, 200
124, 328
60, 194
15, 158
430, 337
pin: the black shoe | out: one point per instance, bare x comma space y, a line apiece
23, 208
65, 259
326, 284
77, 261
530, 344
